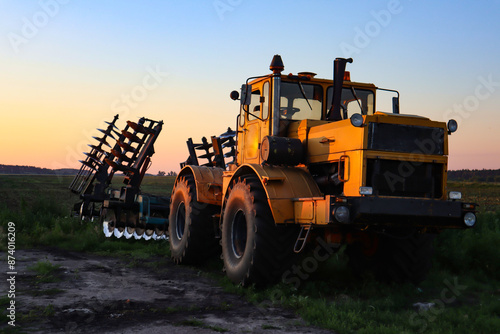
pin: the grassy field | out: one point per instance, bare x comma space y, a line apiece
463, 284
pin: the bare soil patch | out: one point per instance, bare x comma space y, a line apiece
101, 294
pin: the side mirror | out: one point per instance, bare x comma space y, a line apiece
246, 94
234, 95
395, 104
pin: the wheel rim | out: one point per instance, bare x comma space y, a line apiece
239, 234
180, 220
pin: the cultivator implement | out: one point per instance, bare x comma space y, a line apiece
125, 211
215, 153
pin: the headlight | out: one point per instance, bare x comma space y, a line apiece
455, 195
341, 214
365, 190
452, 126
470, 219
357, 120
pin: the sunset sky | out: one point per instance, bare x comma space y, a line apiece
68, 66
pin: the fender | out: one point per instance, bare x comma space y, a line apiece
283, 186
208, 182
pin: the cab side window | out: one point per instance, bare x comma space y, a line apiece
254, 107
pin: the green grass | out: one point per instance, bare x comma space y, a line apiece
466, 260
487, 195
46, 272
40, 207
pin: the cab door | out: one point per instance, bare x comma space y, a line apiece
254, 124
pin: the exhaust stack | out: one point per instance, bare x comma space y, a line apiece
339, 65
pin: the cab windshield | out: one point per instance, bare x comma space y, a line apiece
354, 101
301, 101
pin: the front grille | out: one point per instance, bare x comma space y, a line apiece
404, 178
405, 138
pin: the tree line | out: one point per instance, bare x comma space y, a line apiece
475, 175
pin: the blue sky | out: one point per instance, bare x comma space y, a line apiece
63, 78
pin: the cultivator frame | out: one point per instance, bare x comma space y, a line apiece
125, 211
216, 152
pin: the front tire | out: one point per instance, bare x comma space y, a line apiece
254, 249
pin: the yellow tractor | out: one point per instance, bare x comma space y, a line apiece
315, 161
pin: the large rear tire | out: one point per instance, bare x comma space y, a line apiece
254, 249
191, 230
393, 259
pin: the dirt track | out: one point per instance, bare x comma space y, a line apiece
97, 294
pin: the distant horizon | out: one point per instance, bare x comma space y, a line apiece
76, 169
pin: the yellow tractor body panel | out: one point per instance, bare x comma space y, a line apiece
341, 142
283, 186
208, 182
312, 211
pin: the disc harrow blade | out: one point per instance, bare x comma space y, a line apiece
117, 166
131, 136
121, 156
108, 230
126, 147
139, 232
129, 232
139, 128
118, 233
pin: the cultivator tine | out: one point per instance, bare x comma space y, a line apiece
93, 157
111, 124
97, 148
228, 134
107, 133
205, 145
88, 164
228, 142
207, 156
230, 154
102, 141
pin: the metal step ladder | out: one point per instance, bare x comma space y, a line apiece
302, 238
